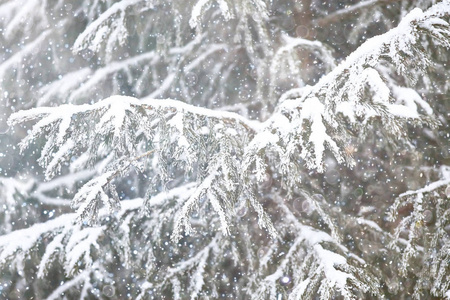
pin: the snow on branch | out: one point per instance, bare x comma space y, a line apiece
82, 277
198, 263
72, 245
113, 111
195, 267
410, 196
107, 72
202, 5
110, 26
291, 43
350, 11
285, 61
425, 226
76, 246
136, 131
16, 60
320, 270
310, 120
141, 71
23, 15
20, 242
13, 192
68, 236
63, 86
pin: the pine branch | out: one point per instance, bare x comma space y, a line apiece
426, 238
350, 11
307, 125
322, 271
109, 25
121, 123
18, 57
84, 276
15, 14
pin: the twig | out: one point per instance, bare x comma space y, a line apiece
346, 12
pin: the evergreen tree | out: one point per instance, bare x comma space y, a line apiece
245, 149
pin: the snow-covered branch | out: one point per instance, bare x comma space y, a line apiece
17, 59
13, 192
425, 226
351, 11
308, 121
317, 270
109, 26
128, 126
23, 15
